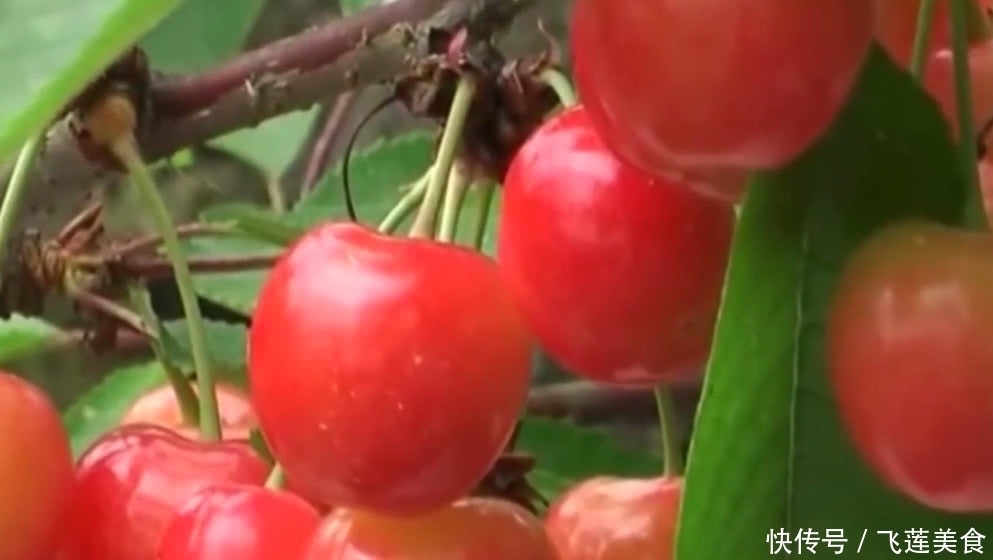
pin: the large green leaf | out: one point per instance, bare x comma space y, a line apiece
21, 335
768, 451
199, 34
272, 145
226, 348
52, 48
567, 454
102, 407
234, 290
375, 176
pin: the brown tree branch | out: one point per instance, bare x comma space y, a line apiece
292, 74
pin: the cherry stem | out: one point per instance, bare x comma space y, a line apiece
485, 191
424, 222
672, 460
922, 37
17, 187
406, 205
458, 186
974, 212
558, 81
186, 398
125, 148
276, 479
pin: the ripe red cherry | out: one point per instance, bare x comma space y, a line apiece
387, 373
240, 522
618, 275
765, 79
609, 518
159, 407
986, 184
131, 482
469, 529
909, 356
35, 469
939, 80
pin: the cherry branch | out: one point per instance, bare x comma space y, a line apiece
368, 47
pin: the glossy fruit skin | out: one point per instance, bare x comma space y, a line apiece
985, 169
159, 407
131, 481
765, 79
387, 373
36, 470
611, 518
618, 275
939, 80
240, 522
909, 358
469, 529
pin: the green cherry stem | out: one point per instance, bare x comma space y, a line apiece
427, 215
560, 83
922, 36
126, 150
672, 460
974, 214
276, 479
451, 209
189, 405
484, 192
16, 188
406, 205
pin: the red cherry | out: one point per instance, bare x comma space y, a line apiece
240, 522
159, 407
618, 275
609, 518
387, 373
939, 80
133, 479
469, 529
36, 469
717, 83
909, 356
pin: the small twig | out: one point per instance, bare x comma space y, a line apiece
320, 155
107, 307
152, 268
84, 220
150, 241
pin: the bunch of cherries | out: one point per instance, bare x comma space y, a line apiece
388, 373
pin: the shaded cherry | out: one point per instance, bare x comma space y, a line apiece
469, 529
159, 407
132, 480
387, 373
611, 518
619, 275
909, 359
35, 470
765, 79
241, 522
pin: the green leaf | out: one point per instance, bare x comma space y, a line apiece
52, 48
257, 223
20, 336
200, 33
226, 348
352, 6
375, 175
102, 407
234, 290
768, 450
567, 454
272, 145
